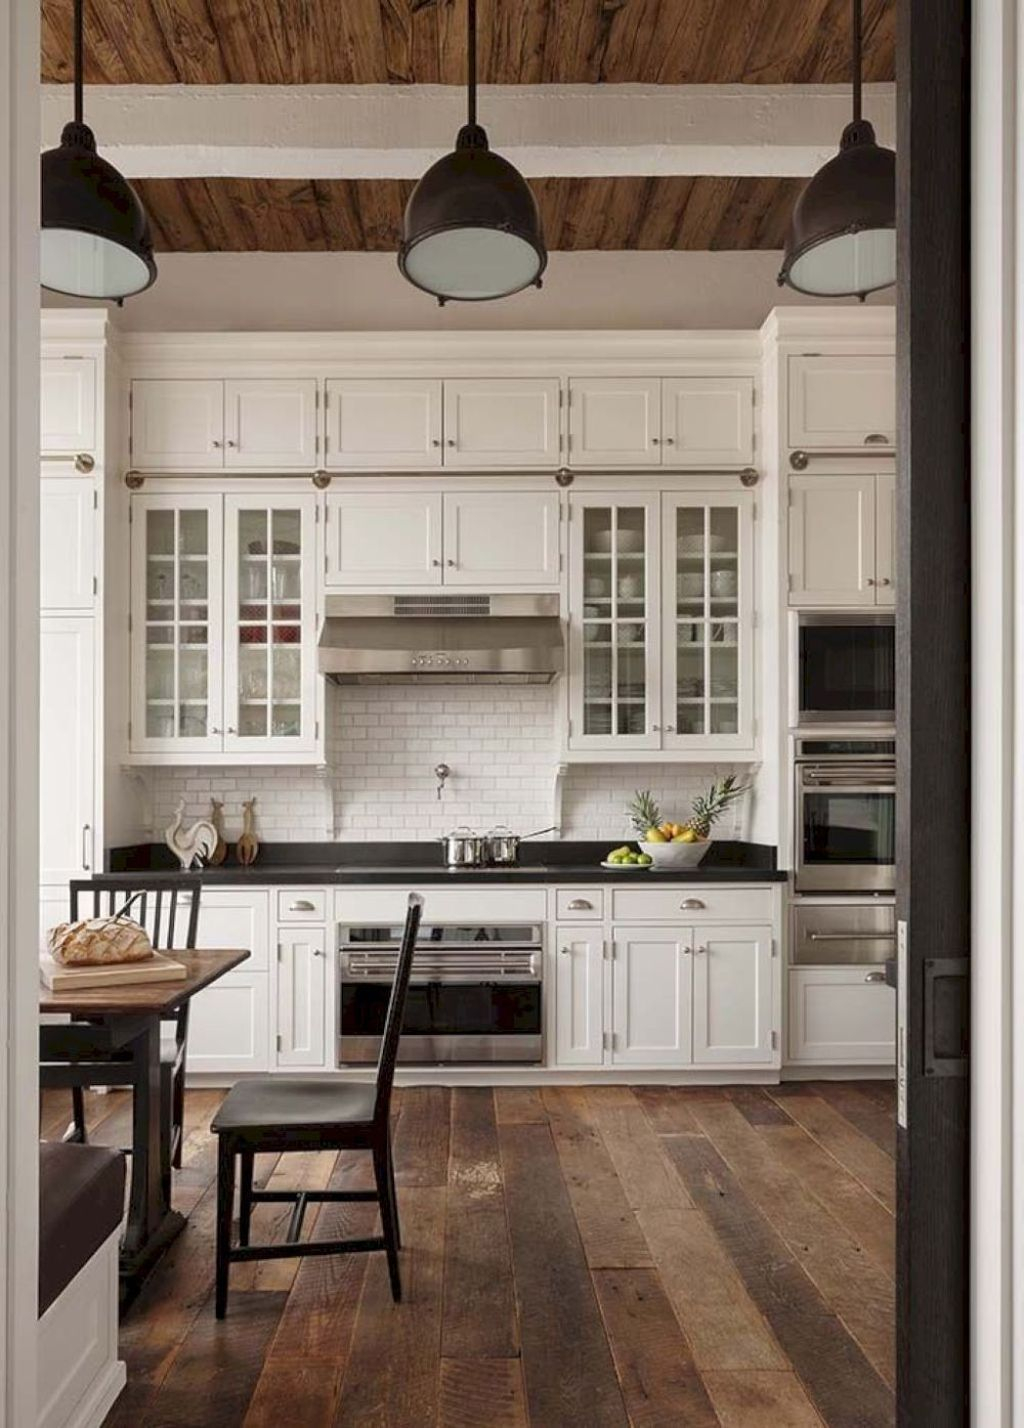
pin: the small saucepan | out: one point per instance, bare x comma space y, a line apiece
503, 845
464, 849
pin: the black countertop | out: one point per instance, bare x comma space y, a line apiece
288, 864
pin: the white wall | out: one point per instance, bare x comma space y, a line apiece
201, 292
382, 746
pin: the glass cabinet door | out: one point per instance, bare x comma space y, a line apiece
176, 623
614, 692
270, 650
707, 547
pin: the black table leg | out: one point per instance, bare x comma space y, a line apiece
151, 1224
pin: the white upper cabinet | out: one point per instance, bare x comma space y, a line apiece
651, 996
845, 401
831, 540
732, 995
67, 405
614, 421
177, 425
501, 538
707, 421
382, 424
885, 539
67, 740
508, 422
842, 539
270, 679
270, 423
67, 550
383, 538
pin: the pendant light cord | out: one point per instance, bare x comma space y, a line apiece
856, 61
470, 61
78, 61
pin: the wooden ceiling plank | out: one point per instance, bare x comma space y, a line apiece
189, 32
339, 215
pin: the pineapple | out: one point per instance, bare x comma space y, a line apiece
709, 807
643, 812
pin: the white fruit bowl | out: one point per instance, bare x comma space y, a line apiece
676, 855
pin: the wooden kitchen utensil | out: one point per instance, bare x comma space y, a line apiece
248, 846
217, 819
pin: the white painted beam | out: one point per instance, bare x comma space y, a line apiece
396, 131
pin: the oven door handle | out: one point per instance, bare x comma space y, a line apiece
833, 785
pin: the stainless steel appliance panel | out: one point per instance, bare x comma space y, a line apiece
844, 668
845, 817
835, 934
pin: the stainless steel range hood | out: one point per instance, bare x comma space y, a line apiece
442, 639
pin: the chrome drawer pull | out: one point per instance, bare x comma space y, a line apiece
580, 904
693, 904
302, 904
874, 977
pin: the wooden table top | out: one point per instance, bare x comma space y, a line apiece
203, 967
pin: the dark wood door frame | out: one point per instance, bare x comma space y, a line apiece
933, 652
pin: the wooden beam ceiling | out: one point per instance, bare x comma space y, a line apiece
277, 215
423, 41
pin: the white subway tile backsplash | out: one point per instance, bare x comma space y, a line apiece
382, 746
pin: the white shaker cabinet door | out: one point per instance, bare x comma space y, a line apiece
615, 421
508, 422
177, 425
732, 995
67, 749
67, 550
885, 539
579, 996
270, 423
501, 538
301, 996
652, 996
844, 401
707, 421
832, 540
383, 538
841, 1015
67, 405
382, 424
229, 1024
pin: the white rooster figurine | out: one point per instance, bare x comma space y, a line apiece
188, 844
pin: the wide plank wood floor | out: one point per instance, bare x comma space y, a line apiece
575, 1257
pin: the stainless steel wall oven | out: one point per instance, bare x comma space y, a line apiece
845, 816
474, 996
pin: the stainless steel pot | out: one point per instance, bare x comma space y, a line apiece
503, 845
464, 849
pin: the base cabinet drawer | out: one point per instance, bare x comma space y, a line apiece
692, 904
302, 905
841, 1015
229, 1024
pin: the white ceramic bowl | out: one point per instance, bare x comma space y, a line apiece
676, 855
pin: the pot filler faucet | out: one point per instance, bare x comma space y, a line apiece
441, 772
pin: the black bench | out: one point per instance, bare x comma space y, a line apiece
81, 1203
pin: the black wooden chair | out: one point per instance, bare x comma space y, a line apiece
313, 1113
169, 911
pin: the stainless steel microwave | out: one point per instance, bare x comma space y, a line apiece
843, 668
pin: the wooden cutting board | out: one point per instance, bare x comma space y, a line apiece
157, 968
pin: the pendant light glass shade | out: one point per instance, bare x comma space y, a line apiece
842, 236
95, 240
471, 230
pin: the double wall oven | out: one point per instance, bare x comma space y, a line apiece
474, 994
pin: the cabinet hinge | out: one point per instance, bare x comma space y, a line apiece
316, 727
775, 948
95, 585
280, 952
95, 500
316, 515
775, 1040
131, 398
280, 1042
561, 398
608, 1041
129, 730
570, 728
131, 512
129, 623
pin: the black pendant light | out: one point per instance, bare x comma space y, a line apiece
842, 236
472, 230
95, 234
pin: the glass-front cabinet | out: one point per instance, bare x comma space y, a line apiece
661, 619
707, 574
223, 626
614, 637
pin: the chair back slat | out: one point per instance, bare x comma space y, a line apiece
148, 902
396, 1009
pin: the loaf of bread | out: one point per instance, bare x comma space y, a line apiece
98, 941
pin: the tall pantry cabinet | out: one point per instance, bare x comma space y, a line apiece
73, 452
